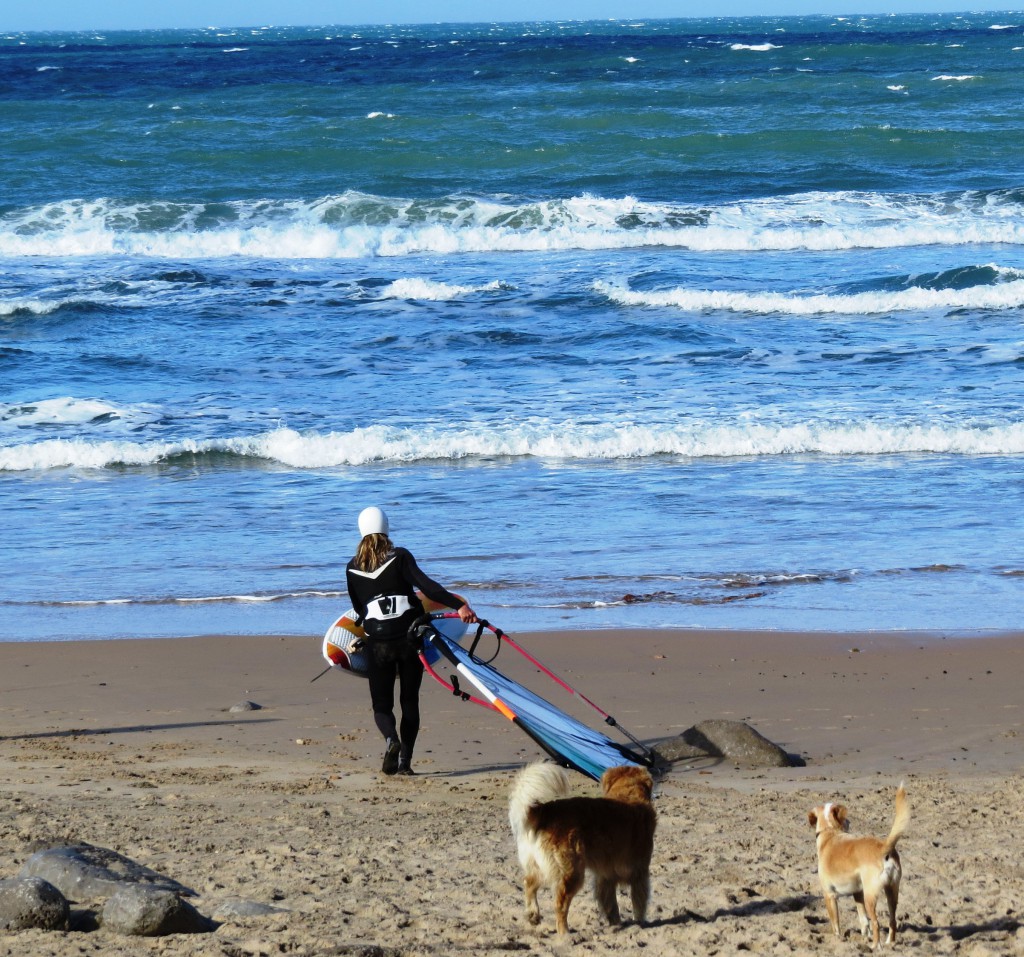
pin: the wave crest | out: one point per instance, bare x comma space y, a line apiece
357, 225
549, 440
1001, 291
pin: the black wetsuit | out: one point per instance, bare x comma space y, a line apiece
385, 601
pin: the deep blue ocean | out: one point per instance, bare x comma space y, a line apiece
702, 323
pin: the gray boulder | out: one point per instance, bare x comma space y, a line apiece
83, 872
734, 740
139, 910
31, 902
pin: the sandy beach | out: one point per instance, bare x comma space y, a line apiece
132, 746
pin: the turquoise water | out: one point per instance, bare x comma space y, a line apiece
701, 323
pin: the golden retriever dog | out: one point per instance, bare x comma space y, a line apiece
862, 866
559, 838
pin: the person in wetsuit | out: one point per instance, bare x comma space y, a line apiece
382, 580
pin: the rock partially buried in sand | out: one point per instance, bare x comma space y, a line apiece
141, 911
31, 902
239, 907
84, 872
245, 706
734, 740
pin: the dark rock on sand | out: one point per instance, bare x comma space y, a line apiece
83, 872
31, 902
734, 740
245, 706
146, 911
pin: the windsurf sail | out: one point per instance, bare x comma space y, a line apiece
569, 741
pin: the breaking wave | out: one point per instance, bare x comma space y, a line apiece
983, 287
356, 225
564, 441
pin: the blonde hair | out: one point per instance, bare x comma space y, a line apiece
373, 550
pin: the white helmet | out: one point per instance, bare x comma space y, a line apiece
372, 521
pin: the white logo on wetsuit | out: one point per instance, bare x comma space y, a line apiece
387, 607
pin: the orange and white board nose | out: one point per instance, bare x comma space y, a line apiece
336, 655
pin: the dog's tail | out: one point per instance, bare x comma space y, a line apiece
899, 824
535, 784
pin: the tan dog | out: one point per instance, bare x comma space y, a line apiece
861, 866
559, 838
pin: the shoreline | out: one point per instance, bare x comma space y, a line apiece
923, 634
131, 745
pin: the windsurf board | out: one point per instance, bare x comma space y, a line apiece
340, 637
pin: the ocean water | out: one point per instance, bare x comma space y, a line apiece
693, 323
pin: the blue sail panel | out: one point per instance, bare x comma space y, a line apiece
566, 739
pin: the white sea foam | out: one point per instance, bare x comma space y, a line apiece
68, 411
756, 47
1008, 295
549, 440
199, 599
128, 295
85, 454
356, 225
37, 307
956, 79
62, 411
425, 289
